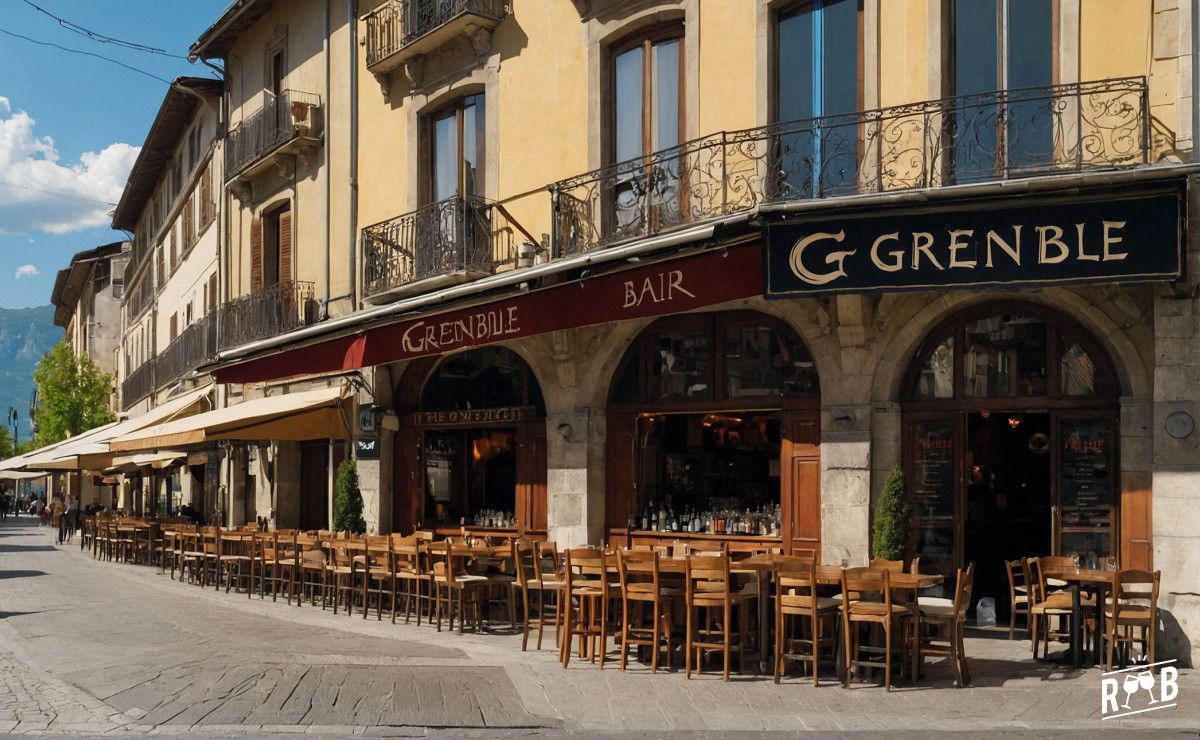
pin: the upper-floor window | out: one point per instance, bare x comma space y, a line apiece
271, 248
818, 69
647, 78
999, 45
457, 149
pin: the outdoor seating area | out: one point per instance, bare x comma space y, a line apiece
671, 607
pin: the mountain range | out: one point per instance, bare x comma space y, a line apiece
25, 335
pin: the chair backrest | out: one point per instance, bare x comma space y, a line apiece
1017, 572
638, 566
1057, 562
424, 535
868, 584
440, 558
1037, 578
702, 546
892, 566
796, 583
548, 561
914, 565
1135, 588
586, 567
963, 584
707, 575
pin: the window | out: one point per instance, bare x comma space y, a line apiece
174, 326
271, 248
1001, 45
647, 116
817, 72
457, 152
188, 315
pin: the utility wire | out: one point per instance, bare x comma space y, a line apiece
81, 199
102, 38
84, 53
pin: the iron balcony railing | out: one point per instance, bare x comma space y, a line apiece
138, 384
284, 118
265, 313
196, 344
398, 23
966, 139
456, 235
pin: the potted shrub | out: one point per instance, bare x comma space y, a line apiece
347, 501
890, 529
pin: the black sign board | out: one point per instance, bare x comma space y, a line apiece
1116, 239
366, 448
463, 417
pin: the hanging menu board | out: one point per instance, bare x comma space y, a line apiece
931, 491
1084, 464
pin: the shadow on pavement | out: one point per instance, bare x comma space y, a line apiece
5, 574
28, 548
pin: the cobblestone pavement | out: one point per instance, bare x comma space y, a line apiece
89, 647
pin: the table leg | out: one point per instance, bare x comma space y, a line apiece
1076, 627
1098, 638
765, 657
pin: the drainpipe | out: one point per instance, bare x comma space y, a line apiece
1195, 34
328, 203
352, 22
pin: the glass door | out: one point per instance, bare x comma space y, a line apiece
932, 459
1085, 465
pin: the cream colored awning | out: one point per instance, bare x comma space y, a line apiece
20, 475
319, 414
160, 459
90, 450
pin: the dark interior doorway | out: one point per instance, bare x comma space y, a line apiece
1008, 497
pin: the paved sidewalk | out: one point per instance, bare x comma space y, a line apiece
89, 647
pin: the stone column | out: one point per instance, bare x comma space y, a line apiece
846, 483
574, 477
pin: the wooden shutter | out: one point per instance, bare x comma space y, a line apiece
531, 476
256, 255
174, 326
174, 249
162, 264
285, 246
800, 481
620, 477
207, 209
212, 290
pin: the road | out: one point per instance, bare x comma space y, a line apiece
90, 647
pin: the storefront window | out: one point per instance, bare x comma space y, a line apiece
1077, 370
489, 377
936, 378
472, 476
759, 362
1005, 356
681, 366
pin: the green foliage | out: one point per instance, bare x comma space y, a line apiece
73, 395
6, 442
347, 501
891, 519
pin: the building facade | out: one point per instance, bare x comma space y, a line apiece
623, 271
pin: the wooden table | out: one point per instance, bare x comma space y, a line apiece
1077, 578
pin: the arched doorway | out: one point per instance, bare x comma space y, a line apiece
714, 432
1009, 445
471, 449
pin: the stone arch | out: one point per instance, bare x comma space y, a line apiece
913, 318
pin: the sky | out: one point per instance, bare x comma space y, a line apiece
71, 125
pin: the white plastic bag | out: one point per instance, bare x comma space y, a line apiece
985, 611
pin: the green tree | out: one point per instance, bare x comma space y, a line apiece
6, 443
73, 395
891, 519
347, 501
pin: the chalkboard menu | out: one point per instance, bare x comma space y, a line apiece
931, 490
1084, 463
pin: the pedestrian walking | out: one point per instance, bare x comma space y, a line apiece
72, 516
57, 510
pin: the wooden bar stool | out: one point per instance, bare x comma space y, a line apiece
530, 580
867, 600
585, 573
641, 586
708, 588
948, 624
797, 605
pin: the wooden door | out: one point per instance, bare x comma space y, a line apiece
531, 475
932, 463
800, 481
408, 480
314, 485
620, 476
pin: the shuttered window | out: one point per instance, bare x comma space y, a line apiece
256, 255
285, 246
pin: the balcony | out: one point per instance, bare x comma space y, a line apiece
288, 124
996, 136
452, 241
273, 310
399, 30
196, 344
137, 384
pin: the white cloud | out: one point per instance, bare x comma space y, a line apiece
33, 181
26, 271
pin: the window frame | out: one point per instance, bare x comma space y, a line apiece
458, 108
646, 39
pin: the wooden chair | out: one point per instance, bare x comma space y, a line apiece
461, 590
892, 566
408, 576
1018, 593
867, 600
1055, 562
949, 624
708, 587
1132, 604
311, 573
914, 565
232, 557
641, 586
797, 604
378, 571
586, 584
531, 579
338, 578
1048, 604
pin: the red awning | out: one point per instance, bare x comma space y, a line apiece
658, 289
